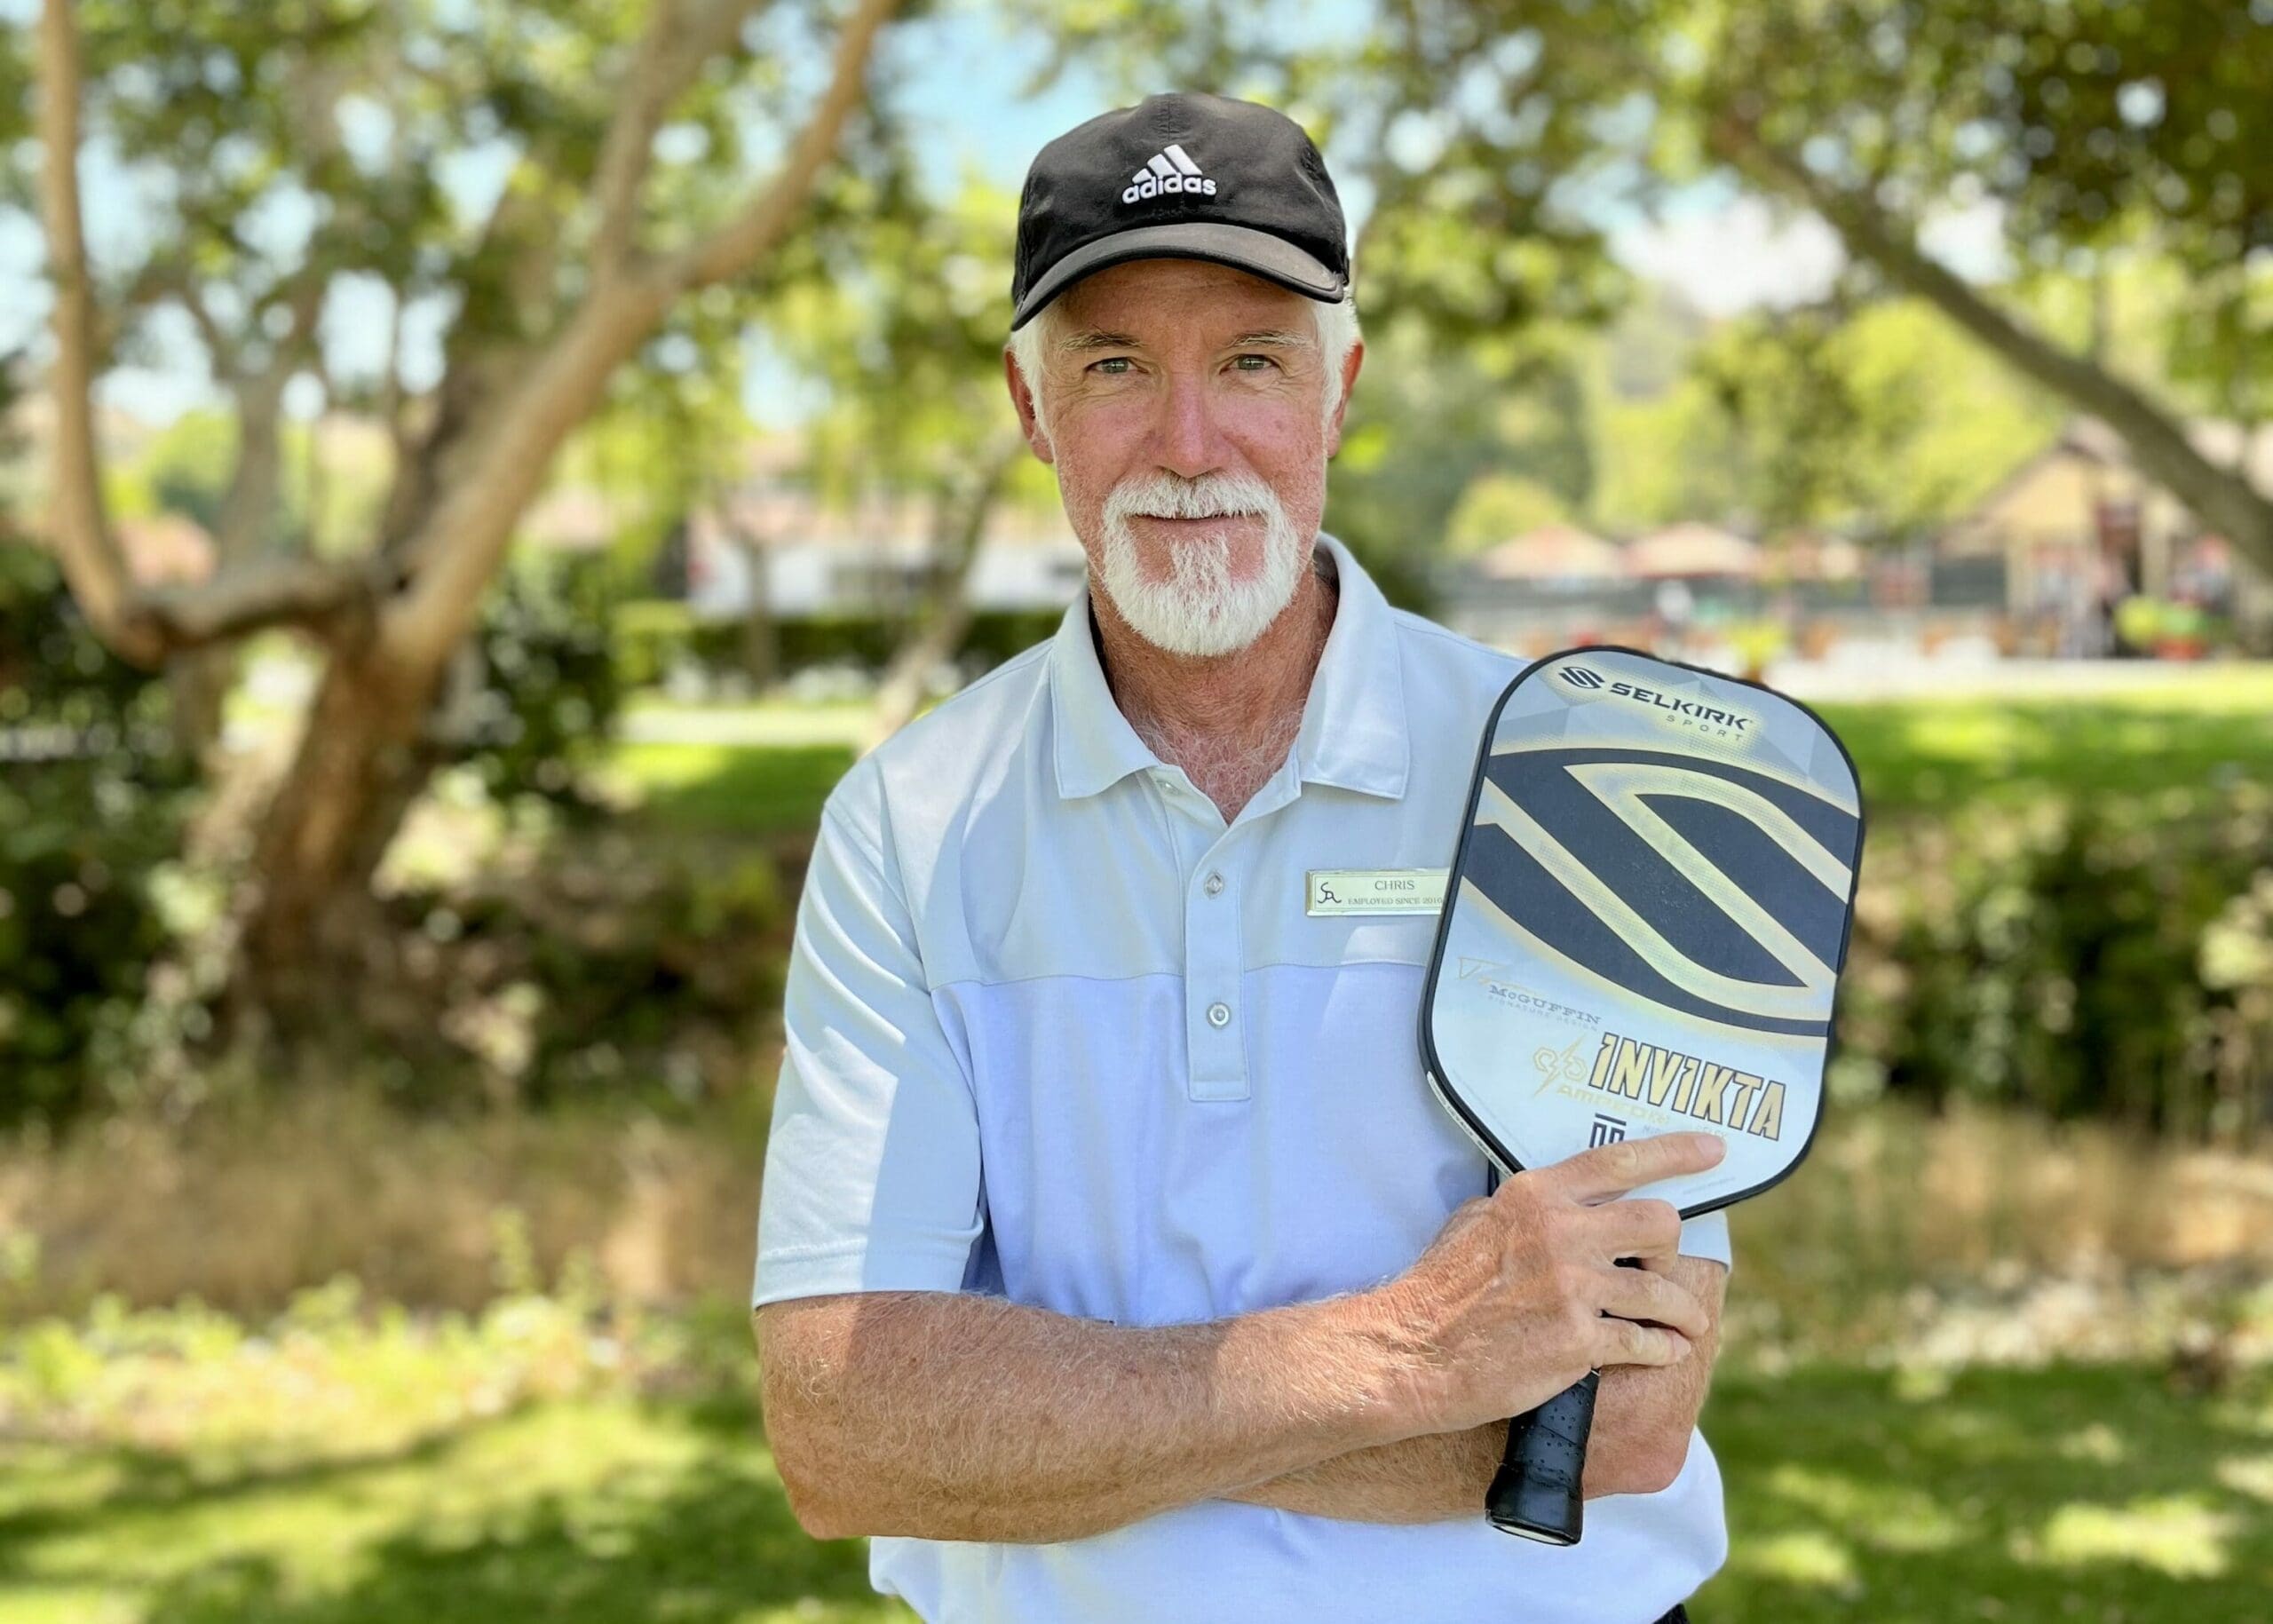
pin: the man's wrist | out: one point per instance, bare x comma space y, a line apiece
1390, 1368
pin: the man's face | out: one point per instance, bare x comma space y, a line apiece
1185, 404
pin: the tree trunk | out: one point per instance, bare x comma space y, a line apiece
761, 642
307, 933
944, 616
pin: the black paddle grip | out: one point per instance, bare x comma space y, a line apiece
1535, 1492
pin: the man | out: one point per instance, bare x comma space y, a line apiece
1114, 1263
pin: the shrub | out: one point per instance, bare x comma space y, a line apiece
92, 803
2106, 957
551, 688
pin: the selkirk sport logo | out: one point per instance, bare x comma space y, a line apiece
1679, 712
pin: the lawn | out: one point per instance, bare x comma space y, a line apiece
2092, 1493
2081, 1492
1916, 755
1919, 755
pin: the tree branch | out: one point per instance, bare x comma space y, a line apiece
458, 549
2223, 499
287, 590
735, 247
671, 53
92, 563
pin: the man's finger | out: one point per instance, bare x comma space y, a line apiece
1637, 1294
1629, 1341
1646, 1231
1612, 1169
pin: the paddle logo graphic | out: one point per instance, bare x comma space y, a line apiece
1714, 890
1716, 721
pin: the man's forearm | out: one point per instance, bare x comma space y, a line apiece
1423, 1479
1643, 1420
963, 1417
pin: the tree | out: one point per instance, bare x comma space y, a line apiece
2093, 126
905, 328
622, 129
1883, 421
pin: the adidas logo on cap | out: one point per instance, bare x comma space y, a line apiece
1169, 169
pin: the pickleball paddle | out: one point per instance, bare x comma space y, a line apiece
1648, 909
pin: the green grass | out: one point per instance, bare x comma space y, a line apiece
600, 1510
1927, 754
762, 791
1918, 756
2091, 1493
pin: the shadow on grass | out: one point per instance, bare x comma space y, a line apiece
721, 1547
2092, 1493
151, 1482
2081, 1493
583, 1511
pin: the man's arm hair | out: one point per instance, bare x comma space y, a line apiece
1644, 1418
949, 1416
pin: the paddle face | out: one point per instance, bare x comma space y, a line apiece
1645, 919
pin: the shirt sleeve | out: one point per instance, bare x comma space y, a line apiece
1707, 1236
872, 1168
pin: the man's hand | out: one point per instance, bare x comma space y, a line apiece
1520, 1294
946, 1415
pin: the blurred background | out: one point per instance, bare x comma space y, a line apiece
472, 475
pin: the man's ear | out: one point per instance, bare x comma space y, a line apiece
1022, 398
1350, 365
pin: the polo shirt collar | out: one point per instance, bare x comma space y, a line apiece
1352, 734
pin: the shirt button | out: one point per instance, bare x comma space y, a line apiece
1215, 885
1219, 1014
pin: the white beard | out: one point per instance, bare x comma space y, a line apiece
1201, 608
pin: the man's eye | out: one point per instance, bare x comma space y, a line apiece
1265, 359
1109, 360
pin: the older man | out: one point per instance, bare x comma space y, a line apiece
1114, 1262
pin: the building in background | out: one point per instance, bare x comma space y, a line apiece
2077, 528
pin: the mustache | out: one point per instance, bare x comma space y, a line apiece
1161, 495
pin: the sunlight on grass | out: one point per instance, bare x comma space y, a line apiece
2096, 1442
774, 790
1887, 1516
1923, 755
594, 1511
1808, 1558
2177, 1535
2249, 1475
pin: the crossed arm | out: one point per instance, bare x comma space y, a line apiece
950, 1416
1643, 1417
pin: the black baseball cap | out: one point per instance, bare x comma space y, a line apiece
1182, 175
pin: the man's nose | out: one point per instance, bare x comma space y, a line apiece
1190, 438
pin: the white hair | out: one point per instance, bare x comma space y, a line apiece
1202, 608
1336, 325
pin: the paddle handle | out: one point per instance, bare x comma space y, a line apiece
1535, 1492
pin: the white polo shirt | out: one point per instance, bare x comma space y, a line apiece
1055, 1032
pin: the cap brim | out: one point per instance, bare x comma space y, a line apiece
1242, 247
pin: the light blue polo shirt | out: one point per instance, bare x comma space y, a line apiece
1055, 1032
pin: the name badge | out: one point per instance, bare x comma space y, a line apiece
1376, 890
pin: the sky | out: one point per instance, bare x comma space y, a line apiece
1726, 252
